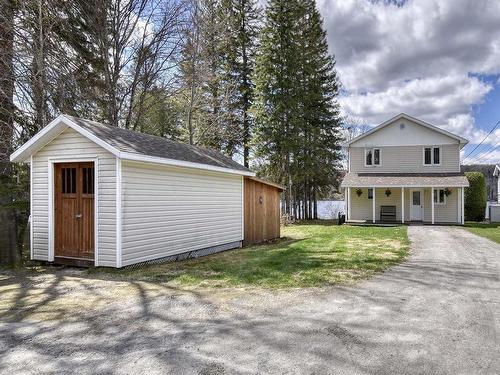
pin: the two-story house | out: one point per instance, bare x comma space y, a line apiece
405, 170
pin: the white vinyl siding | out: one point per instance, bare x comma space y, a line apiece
170, 210
405, 159
70, 144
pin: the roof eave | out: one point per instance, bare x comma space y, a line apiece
23, 153
180, 163
265, 182
342, 185
496, 171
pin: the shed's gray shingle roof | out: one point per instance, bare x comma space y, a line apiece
144, 144
404, 179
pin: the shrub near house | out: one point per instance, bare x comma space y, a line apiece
475, 196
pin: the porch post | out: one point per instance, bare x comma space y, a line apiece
402, 205
373, 205
432, 204
348, 211
459, 208
463, 212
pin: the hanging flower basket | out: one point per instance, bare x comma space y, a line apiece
388, 192
447, 192
359, 192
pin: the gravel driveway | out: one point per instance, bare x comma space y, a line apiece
437, 313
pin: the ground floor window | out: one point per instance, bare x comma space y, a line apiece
439, 196
370, 193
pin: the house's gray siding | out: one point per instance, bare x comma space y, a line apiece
405, 159
70, 144
169, 210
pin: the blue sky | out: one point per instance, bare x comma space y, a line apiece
487, 113
438, 60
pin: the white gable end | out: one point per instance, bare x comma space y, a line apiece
404, 132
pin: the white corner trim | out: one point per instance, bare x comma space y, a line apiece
180, 163
242, 208
50, 182
31, 208
349, 159
96, 211
119, 255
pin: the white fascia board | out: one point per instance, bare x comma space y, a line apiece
461, 140
36, 144
43, 137
17, 156
180, 163
91, 136
496, 172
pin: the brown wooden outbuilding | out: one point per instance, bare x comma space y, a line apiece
261, 210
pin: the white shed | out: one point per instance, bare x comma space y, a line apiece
106, 196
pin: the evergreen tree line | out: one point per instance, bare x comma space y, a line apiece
256, 84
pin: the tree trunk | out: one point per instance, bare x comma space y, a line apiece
246, 103
315, 204
39, 75
8, 230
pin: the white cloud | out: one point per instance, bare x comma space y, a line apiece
417, 58
443, 101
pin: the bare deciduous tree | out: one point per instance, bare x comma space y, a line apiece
8, 230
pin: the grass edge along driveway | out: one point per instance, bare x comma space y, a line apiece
310, 254
489, 231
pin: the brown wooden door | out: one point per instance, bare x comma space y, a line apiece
74, 210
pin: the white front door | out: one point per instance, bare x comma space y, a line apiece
416, 204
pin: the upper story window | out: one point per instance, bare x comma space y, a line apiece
432, 155
372, 156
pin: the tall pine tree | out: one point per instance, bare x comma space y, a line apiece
297, 116
243, 24
277, 93
322, 118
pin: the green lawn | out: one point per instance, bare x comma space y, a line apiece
490, 231
312, 254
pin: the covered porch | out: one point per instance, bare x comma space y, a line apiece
408, 198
